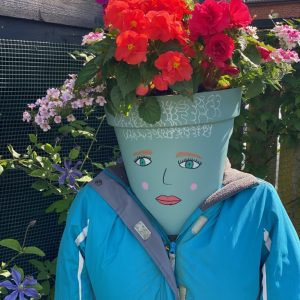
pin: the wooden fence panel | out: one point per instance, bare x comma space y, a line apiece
80, 13
289, 182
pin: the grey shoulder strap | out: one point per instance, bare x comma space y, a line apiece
135, 220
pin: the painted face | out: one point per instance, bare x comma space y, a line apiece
172, 177
176, 163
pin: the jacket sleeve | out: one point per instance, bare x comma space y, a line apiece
281, 266
72, 280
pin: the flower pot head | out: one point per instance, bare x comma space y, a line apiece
175, 164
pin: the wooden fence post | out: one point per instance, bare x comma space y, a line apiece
289, 181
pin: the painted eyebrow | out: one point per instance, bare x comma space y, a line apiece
190, 154
143, 152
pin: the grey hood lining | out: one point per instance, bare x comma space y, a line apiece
234, 181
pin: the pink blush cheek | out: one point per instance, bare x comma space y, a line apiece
194, 186
145, 185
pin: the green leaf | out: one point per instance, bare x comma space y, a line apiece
4, 273
253, 54
33, 138
1, 169
38, 264
38, 173
170, 46
33, 250
183, 87
148, 71
83, 133
255, 88
128, 78
65, 129
99, 166
11, 244
62, 217
59, 206
87, 72
40, 185
110, 52
116, 97
13, 152
47, 148
74, 153
43, 276
85, 178
149, 110
46, 287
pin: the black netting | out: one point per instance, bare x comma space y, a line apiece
27, 69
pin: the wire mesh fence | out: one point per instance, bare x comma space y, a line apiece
27, 70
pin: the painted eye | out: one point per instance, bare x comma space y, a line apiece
189, 164
143, 161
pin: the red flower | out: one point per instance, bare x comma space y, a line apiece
177, 8
159, 83
226, 69
209, 18
134, 20
239, 14
264, 53
114, 13
219, 47
142, 90
160, 26
131, 47
174, 66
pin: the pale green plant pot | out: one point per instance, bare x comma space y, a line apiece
176, 163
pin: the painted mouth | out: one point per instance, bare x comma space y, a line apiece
168, 200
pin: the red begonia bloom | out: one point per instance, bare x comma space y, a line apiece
239, 14
159, 83
209, 18
134, 20
264, 53
131, 47
114, 13
219, 47
178, 8
142, 90
160, 26
174, 66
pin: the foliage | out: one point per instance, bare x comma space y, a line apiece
177, 48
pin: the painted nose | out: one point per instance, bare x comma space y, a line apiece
164, 178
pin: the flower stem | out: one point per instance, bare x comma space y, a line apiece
92, 143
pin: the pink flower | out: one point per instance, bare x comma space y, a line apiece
286, 56
52, 112
26, 116
38, 119
92, 38
31, 106
54, 93
88, 101
288, 36
101, 100
100, 88
71, 118
45, 126
66, 96
74, 104
57, 119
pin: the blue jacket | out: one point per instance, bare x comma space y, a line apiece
238, 245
